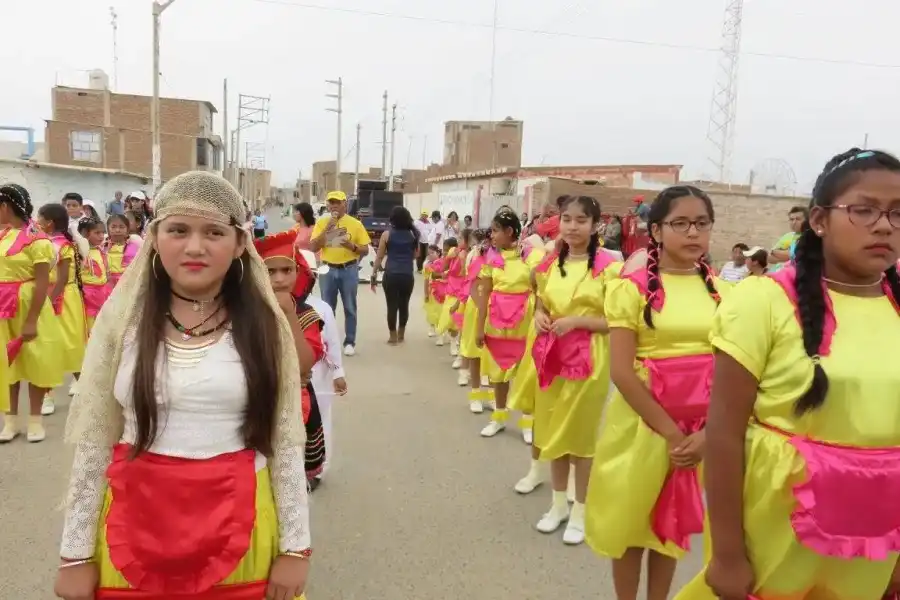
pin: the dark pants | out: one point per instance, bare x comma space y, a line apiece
259, 233
398, 288
423, 254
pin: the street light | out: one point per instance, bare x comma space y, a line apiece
158, 8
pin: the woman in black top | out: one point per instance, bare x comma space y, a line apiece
400, 245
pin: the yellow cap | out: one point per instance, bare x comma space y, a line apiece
336, 195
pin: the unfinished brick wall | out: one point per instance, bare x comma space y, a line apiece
79, 106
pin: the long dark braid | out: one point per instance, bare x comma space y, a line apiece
591, 208
839, 174
659, 210
18, 199
56, 214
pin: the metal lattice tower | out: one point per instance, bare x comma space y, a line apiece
723, 112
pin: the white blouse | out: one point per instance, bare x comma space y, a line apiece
201, 397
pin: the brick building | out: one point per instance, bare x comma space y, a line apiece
94, 127
477, 145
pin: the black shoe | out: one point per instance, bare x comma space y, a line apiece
313, 483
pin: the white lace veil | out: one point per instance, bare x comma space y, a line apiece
95, 417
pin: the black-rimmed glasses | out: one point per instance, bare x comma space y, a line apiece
683, 225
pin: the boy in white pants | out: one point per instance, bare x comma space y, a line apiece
328, 374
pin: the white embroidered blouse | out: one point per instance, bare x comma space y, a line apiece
201, 395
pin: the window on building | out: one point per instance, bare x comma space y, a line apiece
296, 195
202, 153
86, 146
314, 189
504, 145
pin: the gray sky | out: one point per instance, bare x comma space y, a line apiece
584, 101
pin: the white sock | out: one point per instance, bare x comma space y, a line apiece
560, 501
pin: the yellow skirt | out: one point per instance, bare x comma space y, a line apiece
468, 346
784, 568
567, 414
495, 372
253, 567
72, 329
445, 322
631, 462
40, 362
432, 312
525, 385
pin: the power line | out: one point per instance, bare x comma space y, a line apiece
571, 35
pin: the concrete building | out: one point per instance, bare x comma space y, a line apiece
299, 191
94, 127
256, 185
48, 183
479, 145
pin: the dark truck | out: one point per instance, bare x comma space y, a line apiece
372, 205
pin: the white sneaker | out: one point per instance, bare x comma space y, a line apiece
10, 429
440, 341
431, 332
454, 347
476, 407
463, 379
553, 518
73, 387
48, 407
574, 533
528, 436
349, 350
492, 429
457, 362
533, 480
36, 432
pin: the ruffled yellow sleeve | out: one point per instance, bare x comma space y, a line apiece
743, 327
611, 272
623, 304
67, 253
535, 258
40, 251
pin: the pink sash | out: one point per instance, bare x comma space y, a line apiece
681, 385
568, 356
507, 309
506, 352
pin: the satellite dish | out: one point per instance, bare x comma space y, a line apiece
773, 177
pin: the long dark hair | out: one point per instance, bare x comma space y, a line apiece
305, 210
659, 210
839, 174
19, 200
402, 220
254, 331
591, 208
59, 217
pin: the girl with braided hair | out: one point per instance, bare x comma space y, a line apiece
65, 292
571, 356
25, 258
94, 270
505, 310
644, 495
803, 467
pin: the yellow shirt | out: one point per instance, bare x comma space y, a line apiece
681, 328
578, 294
757, 326
67, 253
347, 228
20, 266
94, 272
515, 276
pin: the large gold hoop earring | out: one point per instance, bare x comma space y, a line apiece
241, 278
153, 266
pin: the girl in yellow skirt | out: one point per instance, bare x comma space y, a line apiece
571, 357
25, 313
505, 310
431, 306
454, 274
65, 292
120, 247
231, 440
480, 393
94, 270
803, 442
644, 495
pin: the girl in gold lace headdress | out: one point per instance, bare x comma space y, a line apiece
188, 477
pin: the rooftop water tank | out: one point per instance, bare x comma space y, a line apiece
98, 80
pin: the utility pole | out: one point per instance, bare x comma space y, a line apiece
384, 135
393, 135
115, 28
226, 173
339, 96
356, 168
158, 9
491, 100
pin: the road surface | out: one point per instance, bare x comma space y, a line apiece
417, 506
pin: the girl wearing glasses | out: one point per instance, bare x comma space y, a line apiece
659, 313
803, 468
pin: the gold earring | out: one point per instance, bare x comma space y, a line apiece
153, 266
241, 278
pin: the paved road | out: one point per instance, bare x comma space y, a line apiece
417, 505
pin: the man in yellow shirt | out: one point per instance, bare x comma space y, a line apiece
341, 241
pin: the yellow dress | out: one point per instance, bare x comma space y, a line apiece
431, 306
756, 325
40, 361
445, 323
567, 414
525, 384
94, 275
631, 461
513, 278
72, 327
